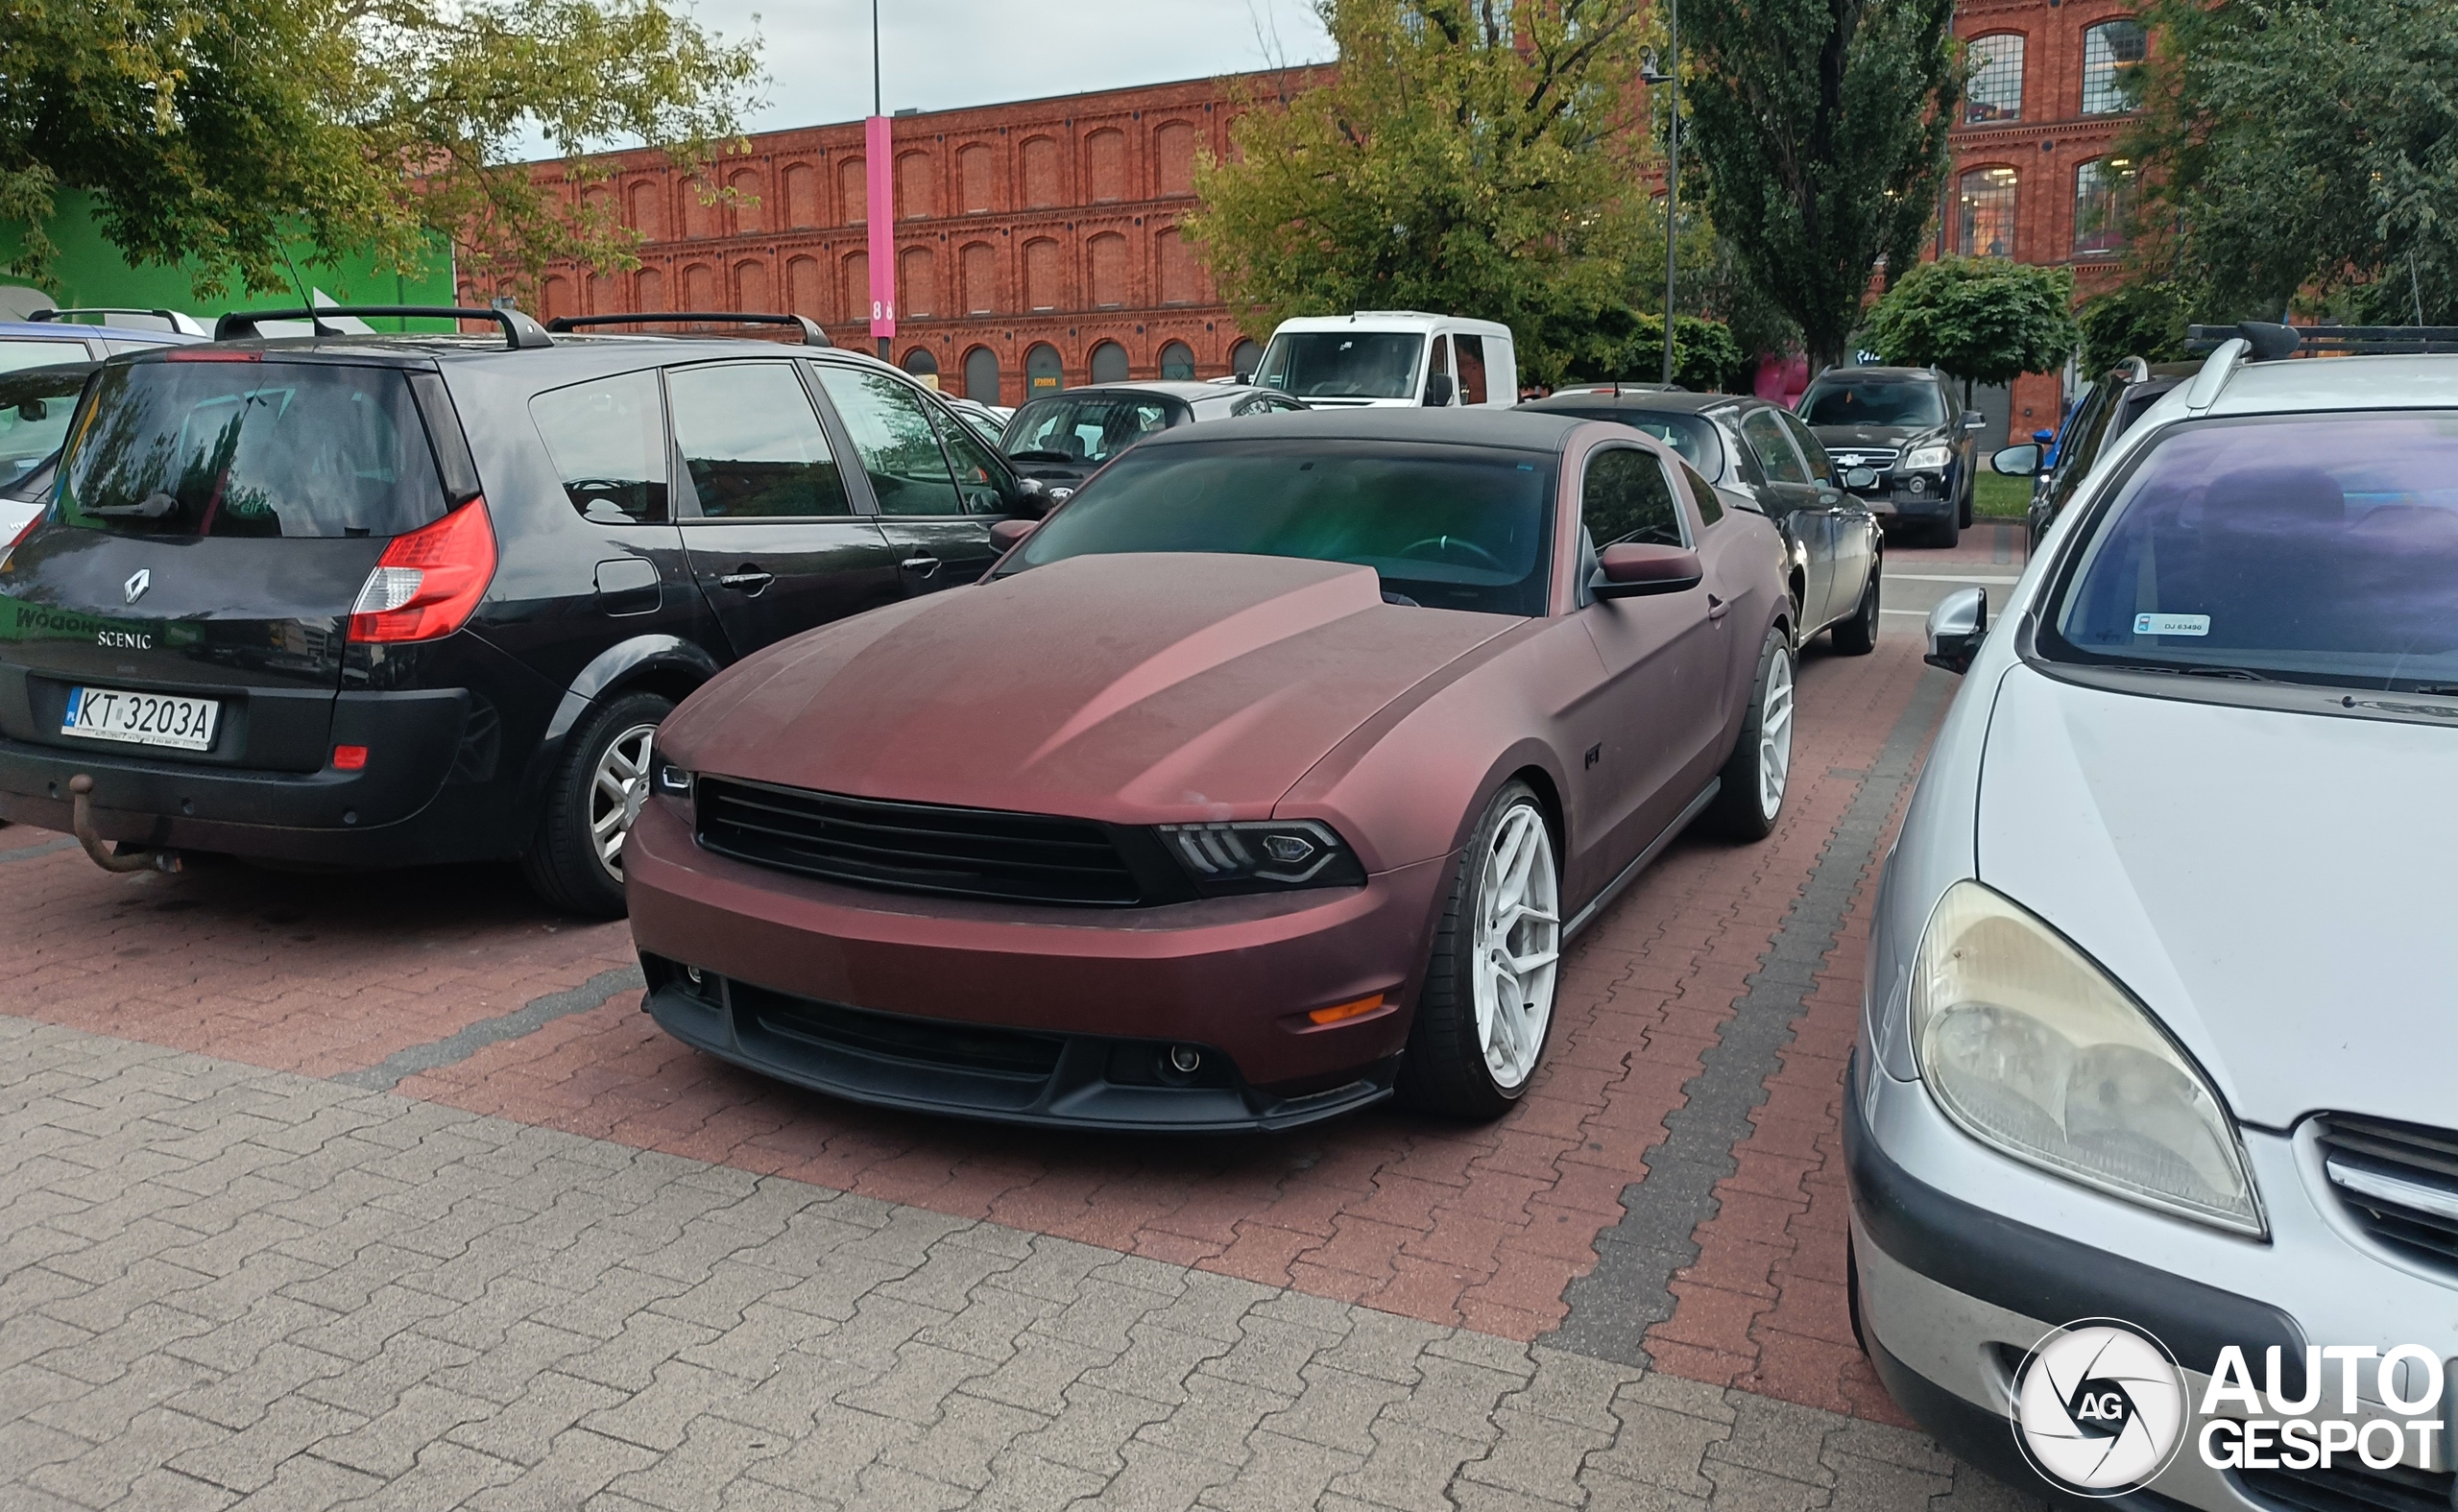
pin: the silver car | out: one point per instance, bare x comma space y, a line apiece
2162, 1018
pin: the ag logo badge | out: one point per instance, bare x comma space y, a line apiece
2100, 1408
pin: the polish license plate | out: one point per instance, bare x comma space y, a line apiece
145, 719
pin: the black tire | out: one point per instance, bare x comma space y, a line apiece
1445, 1070
1858, 636
1741, 809
564, 864
1948, 531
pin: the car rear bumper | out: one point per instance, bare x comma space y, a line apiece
1030, 1014
381, 814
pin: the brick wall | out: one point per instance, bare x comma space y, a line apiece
1039, 224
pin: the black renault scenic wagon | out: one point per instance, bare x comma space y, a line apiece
362, 601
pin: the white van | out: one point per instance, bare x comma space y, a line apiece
1391, 357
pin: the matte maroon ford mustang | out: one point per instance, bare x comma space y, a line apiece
1266, 777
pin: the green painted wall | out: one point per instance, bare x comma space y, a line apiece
90, 272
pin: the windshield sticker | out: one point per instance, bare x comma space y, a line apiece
2172, 624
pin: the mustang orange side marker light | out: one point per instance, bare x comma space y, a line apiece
1347, 1010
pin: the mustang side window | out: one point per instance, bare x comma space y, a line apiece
753, 443
607, 436
1628, 499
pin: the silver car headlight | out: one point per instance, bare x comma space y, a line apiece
1926, 459
2036, 1051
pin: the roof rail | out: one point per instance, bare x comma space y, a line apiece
2284, 341
519, 331
813, 335
2203, 392
181, 324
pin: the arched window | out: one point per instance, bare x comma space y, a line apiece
1177, 361
1041, 273
916, 187
1995, 92
804, 293
646, 218
853, 190
2103, 199
1107, 254
1043, 372
1105, 163
747, 203
1041, 171
2110, 53
557, 298
1243, 359
982, 375
701, 215
976, 178
1985, 213
917, 283
700, 287
1173, 149
751, 286
1109, 363
921, 365
1181, 282
978, 264
652, 291
858, 286
801, 196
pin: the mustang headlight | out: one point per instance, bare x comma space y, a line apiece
1261, 855
665, 779
1932, 458
2034, 1050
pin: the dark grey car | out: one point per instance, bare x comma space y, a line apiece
1901, 443
1062, 439
1762, 457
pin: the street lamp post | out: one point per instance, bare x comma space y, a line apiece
1671, 75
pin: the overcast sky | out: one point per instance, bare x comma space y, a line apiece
937, 55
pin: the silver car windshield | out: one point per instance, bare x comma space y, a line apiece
1343, 365
2300, 548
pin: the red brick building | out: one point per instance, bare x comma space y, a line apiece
1037, 242
2033, 175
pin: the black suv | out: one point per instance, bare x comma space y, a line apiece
1900, 442
379, 601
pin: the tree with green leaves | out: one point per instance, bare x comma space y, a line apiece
2143, 319
1984, 320
1467, 155
222, 132
2304, 148
1820, 127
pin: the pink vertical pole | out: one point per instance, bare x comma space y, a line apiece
881, 170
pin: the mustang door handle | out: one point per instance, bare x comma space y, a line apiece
1715, 607
920, 567
750, 581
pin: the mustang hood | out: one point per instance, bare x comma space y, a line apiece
2276, 887
1135, 688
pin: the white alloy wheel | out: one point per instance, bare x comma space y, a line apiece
1518, 942
616, 789
1776, 736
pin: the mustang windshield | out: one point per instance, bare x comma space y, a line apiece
2309, 549
1447, 527
1873, 401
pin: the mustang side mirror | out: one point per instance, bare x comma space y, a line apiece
1437, 389
1973, 419
2017, 462
1632, 570
1006, 533
1957, 627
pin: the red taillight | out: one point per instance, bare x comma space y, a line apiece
210, 354
428, 583
349, 758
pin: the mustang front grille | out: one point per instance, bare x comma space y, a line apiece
916, 848
2401, 1180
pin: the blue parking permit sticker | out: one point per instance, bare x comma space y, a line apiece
2172, 624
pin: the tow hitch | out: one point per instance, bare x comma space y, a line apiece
108, 856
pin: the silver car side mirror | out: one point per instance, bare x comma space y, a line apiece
1957, 627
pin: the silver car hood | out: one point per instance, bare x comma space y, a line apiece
2280, 889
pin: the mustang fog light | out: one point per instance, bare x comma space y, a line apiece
1261, 855
2034, 1050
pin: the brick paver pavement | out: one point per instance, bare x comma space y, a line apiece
232, 1287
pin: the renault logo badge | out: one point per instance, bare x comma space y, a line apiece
137, 584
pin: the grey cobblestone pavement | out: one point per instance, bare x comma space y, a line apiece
222, 1287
